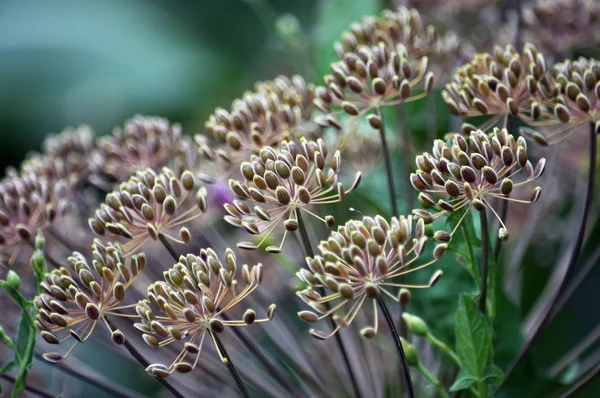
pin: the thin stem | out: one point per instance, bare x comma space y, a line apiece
432, 118
547, 316
398, 344
168, 246
34, 390
433, 380
406, 154
143, 361
484, 261
388, 166
308, 251
581, 384
443, 346
231, 367
575, 352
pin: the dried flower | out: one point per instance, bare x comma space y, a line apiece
561, 27
196, 294
506, 83
282, 182
360, 262
276, 111
28, 204
150, 205
471, 174
144, 142
74, 300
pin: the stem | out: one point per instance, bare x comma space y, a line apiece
405, 146
484, 261
432, 119
581, 384
443, 346
575, 352
143, 361
168, 246
398, 343
388, 166
547, 316
28, 388
308, 251
433, 380
231, 367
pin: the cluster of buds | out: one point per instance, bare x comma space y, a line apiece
65, 156
75, 299
276, 111
149, 206
504, 84
144, 142
192, 302
28, 204
362, 261
280, 184
561, 27
471, 174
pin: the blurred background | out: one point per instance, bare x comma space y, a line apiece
100, 62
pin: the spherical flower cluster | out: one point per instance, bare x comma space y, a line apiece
276, 111
506, 83
278, 184
144, 142
471, 174
361, 262
561, 27
192, 303
28, 204
75, 299
149, 206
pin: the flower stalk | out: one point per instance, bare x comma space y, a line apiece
484, 260
388, 166
231, 366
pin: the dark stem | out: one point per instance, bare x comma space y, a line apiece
99, 384
388, 166
581, 384
484, 260
547, 316
28, 388
168, 246
308, 251
143, 361
575, 352
398, 344
406, 155
231, 367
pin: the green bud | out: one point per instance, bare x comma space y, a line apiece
415, 324
412, 357
13, 280
38, 263
40, 241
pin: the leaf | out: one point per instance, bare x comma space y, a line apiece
494, 376
473, 337
16, 295
463, 382
465, 243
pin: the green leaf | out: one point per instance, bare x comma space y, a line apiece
473, 337
9, 366
494, 376
465, 243
463, 381
16, 295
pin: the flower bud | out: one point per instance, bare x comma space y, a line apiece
415, 324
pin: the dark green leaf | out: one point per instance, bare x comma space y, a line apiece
16, 295
463, 381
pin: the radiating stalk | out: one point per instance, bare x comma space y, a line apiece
231, 367
308, 251
143, 361
484, 261
510, 126
547, 316
398, 344
388, 166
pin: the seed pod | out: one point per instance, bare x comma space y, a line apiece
118, 337
506, 187
535, 195
169, 205
489, 175
375, 121
478, 205
562, 113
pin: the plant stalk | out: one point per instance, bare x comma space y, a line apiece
406, 153
484, 261
231, 367
398, 344
388, 166
433, 380
581, 384
308, 251
168, 246
143, 361
33, 390
579, 240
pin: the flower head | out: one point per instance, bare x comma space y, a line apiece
151, 205
360, 262
144, 142
506, 83
471, 174
276, 111
28, 204
75, 299
277, 184
192, 302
